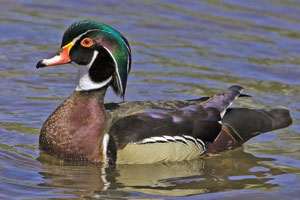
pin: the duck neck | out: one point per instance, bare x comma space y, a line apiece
75, 130
85, 82
97, 94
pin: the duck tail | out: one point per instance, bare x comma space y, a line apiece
241, 124
221, 101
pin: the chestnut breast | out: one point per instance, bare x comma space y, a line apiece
74, 131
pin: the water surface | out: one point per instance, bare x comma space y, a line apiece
181, 49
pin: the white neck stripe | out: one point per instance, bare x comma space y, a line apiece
85, 83
93, 58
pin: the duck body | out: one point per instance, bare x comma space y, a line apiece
84, 128
81, 129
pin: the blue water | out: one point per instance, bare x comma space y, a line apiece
181, 49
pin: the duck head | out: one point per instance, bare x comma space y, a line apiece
101, 53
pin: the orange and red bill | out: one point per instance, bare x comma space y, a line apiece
61, 57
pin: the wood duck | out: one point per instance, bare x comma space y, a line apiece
85, 129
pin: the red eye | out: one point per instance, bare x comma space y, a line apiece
87, 42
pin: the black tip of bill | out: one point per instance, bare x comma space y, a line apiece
40, 64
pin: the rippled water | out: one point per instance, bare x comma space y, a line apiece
181, 49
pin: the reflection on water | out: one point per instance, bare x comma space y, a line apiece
235, 169
181, 50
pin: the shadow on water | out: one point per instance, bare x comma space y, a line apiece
231, 170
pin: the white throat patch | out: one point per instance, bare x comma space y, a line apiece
84, 81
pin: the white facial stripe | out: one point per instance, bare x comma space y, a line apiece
85, 83
128, 52
128, 49
117, 70
93, 58
128, 63
79, 36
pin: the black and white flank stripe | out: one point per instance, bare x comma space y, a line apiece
184, 139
